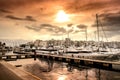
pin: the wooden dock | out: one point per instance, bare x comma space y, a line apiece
71, 60
16, 56
81, 61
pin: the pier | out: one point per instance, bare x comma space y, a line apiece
71, 60
16, 56
81, 61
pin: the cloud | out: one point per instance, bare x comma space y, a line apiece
32, 28
109, 21
77, 6
47, 25
58, 34
74, 6
18, 3
27, 18
14, 3
112, 34
50, 7
81, 26
70, 31
76, 31
5, 11
84, 7
70, 25
80, 11
13, 17
55, 30
60, 30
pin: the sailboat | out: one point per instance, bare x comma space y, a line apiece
100, 47
70, 48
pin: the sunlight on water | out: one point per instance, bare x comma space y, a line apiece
62, 77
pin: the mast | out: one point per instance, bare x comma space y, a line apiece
97, 27
95, 35
98, 31
68, 35
86, 33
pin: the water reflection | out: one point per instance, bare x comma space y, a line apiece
86, 74
51, 70
50, 65
62, 77
98, 74
69, 68
66, 71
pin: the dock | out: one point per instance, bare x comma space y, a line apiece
16, 56
82, 61
109, 65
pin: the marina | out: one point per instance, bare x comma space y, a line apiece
59, 40
52, 64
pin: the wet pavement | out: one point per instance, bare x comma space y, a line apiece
6, 74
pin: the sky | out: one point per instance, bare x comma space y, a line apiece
54, 19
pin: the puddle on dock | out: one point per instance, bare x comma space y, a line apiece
51, 70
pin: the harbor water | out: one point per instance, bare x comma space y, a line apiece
52, 70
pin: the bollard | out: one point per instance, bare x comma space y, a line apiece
0, 57
18, 56
72, 55
34, 54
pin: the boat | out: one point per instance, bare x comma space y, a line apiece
47, 49
71, 50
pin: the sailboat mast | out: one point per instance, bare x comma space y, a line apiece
97, 31
86, 33
97, 26
68, 35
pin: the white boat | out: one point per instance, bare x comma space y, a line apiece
71, 50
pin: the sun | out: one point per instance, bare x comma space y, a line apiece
62, 16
